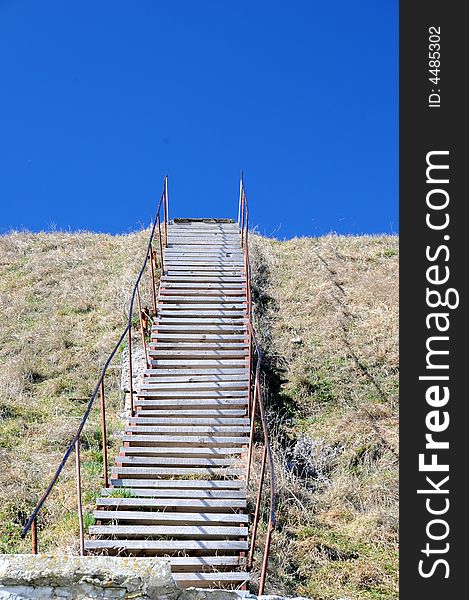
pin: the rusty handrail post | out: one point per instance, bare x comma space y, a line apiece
103, 431
243, 202
255, 522
161, 244
251, 433
265, 559
34, 536
131, 385
79, 503
153, 280
240, 197
142, 330
166, 211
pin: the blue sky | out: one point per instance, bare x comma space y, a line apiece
99, 100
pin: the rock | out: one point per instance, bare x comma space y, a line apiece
28, 577
41, 577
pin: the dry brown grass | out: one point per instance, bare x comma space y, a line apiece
327, 314
63, 299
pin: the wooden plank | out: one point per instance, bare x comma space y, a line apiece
209, 293
154, 375
208, 337
211, 316
165, 403
161, 517
188, 430
158, 461
194, 385
168, 495
182, 503
193, 394
171, 497
206, 364
205, 299
219, 372
196, 354
196, 346
187, 420
194, 531
210, 327
190, 484
202, 285
209, 402
187, 440
171, 451
167, 546
203, 561
207, 579
201, 279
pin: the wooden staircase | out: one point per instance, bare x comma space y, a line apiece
178, 486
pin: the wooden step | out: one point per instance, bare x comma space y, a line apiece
157, 461
204, 299
203, 279
197, 345
206, 363
192, 390
169, 496
198, 293
203, 337
171, 451
151, 384
192, 531
194, 353
163, 517
215, 578
190, 374
185, 441
188, 563
169, 472
196, 286
191, 484
212, 326
140, 420
173, 503
168, 546
189, 312
173, 403
188, 430
154, 376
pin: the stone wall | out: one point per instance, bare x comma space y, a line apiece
27, 577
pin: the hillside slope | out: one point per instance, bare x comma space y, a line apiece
326, 311
327, 314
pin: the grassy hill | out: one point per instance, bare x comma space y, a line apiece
326, 313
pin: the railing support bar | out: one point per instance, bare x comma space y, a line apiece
166, 211
131, 384
153, 280
142, 329
251, 434
103, 430
79, 504
255, 522
265, 559
34, 536
161, 245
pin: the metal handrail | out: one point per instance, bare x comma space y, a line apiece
256, 404
150, 256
